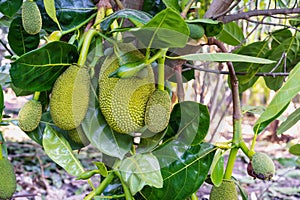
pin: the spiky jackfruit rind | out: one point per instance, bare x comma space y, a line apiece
31, 17
226, 190
78, 137
158, 111
30, 115
7, 179
123, 101
70, 97
263, 166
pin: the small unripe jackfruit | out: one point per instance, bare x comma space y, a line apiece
158, 111
70, 97
123, 101
78, 136
226, 190
263, 166
196, 31
30, 115
7, 179
31, 17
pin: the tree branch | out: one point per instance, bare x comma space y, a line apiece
217, 7
245, 15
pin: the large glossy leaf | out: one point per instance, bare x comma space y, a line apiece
288, 47
136, 16
19, 40
102, 136
37, 70
256, 49
69, 13
190, 122
185, 175
172, 4
161, 30
59, 150
280, 101
140, 170
231, 34
10, 7
51, 11
279, 36
149, 143
291, 120
223, 57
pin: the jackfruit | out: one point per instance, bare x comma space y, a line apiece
31, 17
262, 165
158, 111
70, 97
123, 101
7, 179
196, 31
78, 137
30, 115
226, 190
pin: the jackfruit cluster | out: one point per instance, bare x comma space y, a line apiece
70, 97
31, 17
7, 179
123, 101
263, 166
226, 190
30, 115
158, 111
78, 137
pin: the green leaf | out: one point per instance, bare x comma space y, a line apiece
10, 7
102, 136
140, 170
149, 143
38, 70
217, 169
69, 13
102, 168
183, 176
19, 40
161, 30
278, 36
291, 120
59, 150
136, 16
190, 127
288, 47
51, 11
280, 101
295, 149
231, 34
172, 4
222, 57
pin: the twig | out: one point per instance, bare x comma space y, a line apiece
6, 48
275, 74
273, 24
269, 12
227, 10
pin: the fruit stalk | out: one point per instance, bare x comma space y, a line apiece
1, 154
127, 192
161, 71
85, 46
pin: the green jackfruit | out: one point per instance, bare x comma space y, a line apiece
78, 136
158, 111
263, 166
30, 115
196, 31
70, 98
31, 17
123, 101
226, 190
7, 179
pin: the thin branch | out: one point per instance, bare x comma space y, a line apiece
273, 24
227, 10
275, 74
6, 48
269, 12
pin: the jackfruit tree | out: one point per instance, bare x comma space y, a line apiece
123, 77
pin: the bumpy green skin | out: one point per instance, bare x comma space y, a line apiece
70, 98
226, 190
158, 111
31, 17
78, 136
7, 179
123, 101
30, 115
196, 31
263, 166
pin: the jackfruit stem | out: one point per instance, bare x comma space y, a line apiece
36, 96
230, 162
85, 46
1, 154
127, 192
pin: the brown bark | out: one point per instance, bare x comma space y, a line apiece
217, 7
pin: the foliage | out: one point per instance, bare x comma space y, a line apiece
144, 164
